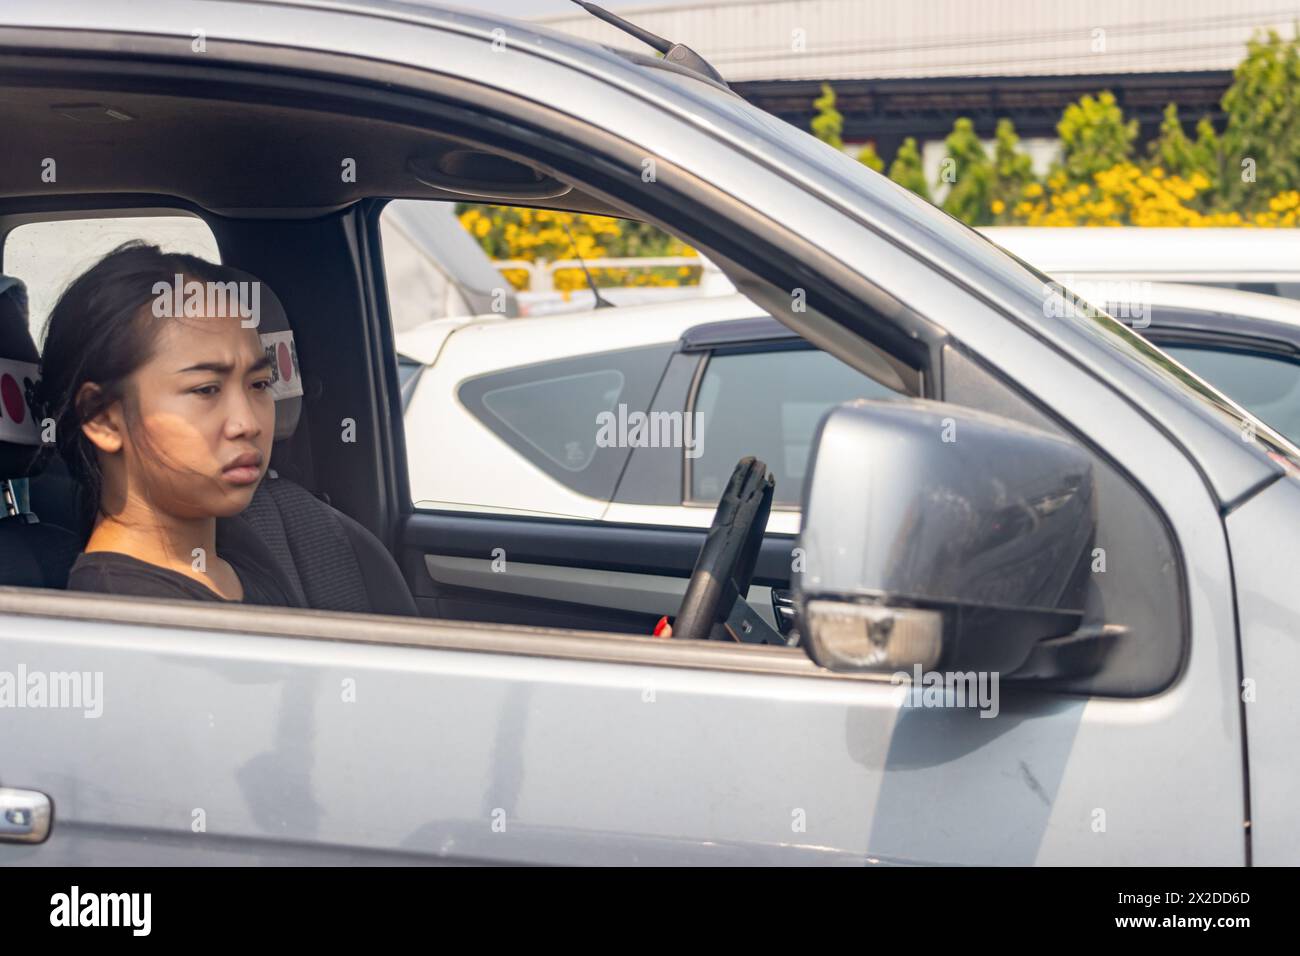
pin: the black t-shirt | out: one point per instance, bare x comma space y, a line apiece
109, 572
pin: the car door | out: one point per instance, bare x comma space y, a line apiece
247, 735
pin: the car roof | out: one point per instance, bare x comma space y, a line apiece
1217, 318
1167, 253
1247, 305
583, 333
255, 134
713, 321
646, 57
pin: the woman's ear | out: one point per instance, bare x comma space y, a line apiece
104, 429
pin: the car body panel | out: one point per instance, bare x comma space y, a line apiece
1265, 555
299, 750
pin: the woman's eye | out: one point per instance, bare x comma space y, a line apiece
262, 384
206, 390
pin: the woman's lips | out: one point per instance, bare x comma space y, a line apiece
244, 470
243, 475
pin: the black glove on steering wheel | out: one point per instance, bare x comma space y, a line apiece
726, 562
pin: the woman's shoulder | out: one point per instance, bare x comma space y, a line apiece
261, 585
111, 572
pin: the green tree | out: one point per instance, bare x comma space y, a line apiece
868, 156
1262, 138
1210, 147
1181, 155
906, 169
1012, 170
1094, 136
828, 124
1173, 151
969, 174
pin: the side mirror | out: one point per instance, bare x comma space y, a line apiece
944, 538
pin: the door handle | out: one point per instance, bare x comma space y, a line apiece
24, 816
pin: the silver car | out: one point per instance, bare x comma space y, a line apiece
1035, 602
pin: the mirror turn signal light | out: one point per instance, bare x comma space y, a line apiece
845, 636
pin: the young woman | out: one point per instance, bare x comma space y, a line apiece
164, 420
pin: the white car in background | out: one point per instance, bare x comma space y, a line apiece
503, 415
1250, 260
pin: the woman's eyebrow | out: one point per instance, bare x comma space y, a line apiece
225, 368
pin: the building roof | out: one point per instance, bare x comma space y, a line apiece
871, 39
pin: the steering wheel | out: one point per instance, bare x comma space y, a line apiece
714, 606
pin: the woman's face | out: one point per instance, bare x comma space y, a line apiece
196, 440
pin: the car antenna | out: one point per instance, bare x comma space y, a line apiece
677, 53
601, 301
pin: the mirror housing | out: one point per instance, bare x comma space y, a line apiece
942, 537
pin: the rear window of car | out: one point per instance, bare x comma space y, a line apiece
569, 439
552, 413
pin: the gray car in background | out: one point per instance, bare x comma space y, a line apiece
437, 267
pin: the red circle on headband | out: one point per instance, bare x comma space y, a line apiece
12, 396
285, 361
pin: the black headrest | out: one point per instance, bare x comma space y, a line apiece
20, 432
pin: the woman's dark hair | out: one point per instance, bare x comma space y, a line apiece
101, 330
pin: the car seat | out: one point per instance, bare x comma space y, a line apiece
32, 554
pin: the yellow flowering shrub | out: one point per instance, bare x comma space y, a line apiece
515, 232
1128, 195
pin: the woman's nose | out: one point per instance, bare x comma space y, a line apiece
242, 419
